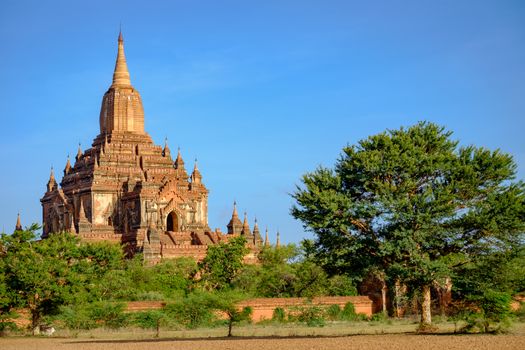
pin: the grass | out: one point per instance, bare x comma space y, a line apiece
339, 328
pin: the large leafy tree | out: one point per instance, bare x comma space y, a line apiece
412, 205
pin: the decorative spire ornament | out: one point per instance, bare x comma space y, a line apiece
18, 226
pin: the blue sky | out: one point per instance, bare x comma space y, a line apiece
259, 91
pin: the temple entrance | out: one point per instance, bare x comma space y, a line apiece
172, 222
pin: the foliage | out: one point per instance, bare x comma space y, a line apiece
287, 271
222, 264
41, 275
279, 315
348, 313
108, 314
93, 315
226, 302
413, 205
151, 319
341, 285
192, 311
312, 315
333, 312
75, 317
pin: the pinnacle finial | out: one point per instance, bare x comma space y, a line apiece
179, 162
235, 209
120, 37
79, 152
68, 166
278, 240
121, 73
266, 238
18, 226
166, 149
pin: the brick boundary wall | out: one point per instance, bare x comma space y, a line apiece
263, 307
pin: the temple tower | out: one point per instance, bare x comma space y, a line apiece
127, 189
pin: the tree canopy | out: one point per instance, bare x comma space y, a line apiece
412, 204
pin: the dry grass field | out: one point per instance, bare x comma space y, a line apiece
256, 337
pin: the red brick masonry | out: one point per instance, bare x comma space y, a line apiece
263, 307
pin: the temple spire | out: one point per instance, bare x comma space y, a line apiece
266, 239
179, 162
52, 183
257, 240
121, 73
67, 168
18, 226
245, 226
235, 214
79, 152
235, 225
278, 240
166, 149
196, 176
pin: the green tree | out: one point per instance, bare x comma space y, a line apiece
227, 302
40, 274
222, 264
406, 201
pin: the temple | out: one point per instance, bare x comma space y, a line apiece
127, 189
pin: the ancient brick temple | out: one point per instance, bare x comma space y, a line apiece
125, 188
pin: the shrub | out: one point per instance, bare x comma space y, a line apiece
110, 315
378, 317
279, 315
76, 318
311, 315
495, 313
151, 295
191, 312
150, 319
334, 312
348, 313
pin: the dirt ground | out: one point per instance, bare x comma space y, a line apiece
397, 341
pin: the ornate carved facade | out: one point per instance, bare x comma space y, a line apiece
127, 189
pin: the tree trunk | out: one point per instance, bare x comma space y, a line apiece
158, 328
426, 302
35, 319
230, 324
383, 296
399, 303
444, 294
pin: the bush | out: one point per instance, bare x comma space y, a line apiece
110, 315
348, 313
279, 315
151, 295
76, 318
311, 315
334, 312
494, 315
150, 319
191, 312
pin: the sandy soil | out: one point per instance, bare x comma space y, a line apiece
398, 341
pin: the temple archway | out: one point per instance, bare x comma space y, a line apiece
172, 222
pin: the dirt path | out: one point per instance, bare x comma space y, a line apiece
381, 342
